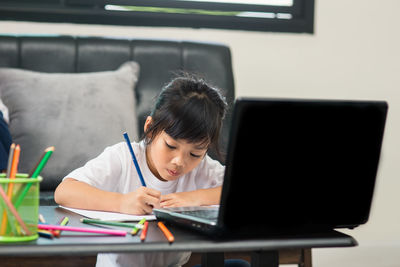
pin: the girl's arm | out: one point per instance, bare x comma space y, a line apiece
200, 197
75, 194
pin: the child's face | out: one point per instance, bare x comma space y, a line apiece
169, 159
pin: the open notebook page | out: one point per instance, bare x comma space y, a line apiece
109, 216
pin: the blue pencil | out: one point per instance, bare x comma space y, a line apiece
134, 159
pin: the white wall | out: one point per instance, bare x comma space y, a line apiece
354, 54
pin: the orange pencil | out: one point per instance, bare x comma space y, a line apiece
144, 231
14, 168
166, 232
12, 172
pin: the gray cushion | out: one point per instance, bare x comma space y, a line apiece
78, 113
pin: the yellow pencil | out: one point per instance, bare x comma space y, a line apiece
63, 222
136, 228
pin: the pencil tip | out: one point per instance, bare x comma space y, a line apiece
51, 148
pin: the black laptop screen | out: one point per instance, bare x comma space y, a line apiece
302, 163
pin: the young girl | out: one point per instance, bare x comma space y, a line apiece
184, 124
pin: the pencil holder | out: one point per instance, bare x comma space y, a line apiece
19, 208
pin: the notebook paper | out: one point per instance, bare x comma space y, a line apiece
109, 216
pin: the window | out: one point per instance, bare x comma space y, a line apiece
255, 15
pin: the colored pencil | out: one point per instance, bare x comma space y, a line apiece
4, 220
144, 231
136, 228
41, 219
15, 161
10, 159
14, 168
93, 221
81, 229
45, 233
37, 164
14, 211
166, 232
12, 165
128, 142
49, 151
64, 221
21, 196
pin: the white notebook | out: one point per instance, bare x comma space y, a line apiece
109, 216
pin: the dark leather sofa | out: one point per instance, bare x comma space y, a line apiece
158, 60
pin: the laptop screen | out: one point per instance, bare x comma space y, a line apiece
302, 163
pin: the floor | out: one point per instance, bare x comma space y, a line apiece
370, 255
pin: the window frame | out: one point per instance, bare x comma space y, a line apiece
93, 12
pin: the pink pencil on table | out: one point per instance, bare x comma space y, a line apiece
81, 229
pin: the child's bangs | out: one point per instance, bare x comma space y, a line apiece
192, 121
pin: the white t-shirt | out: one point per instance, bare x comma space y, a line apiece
113, 170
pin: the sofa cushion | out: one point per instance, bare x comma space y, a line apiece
78, 113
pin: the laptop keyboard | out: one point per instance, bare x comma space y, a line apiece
204, 214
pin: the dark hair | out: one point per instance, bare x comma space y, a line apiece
188, 108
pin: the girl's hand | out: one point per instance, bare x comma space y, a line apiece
179, 199
200, 197
141, 201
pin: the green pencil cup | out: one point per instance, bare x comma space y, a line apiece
19, 215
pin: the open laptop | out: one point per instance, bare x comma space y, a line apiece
294, 165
